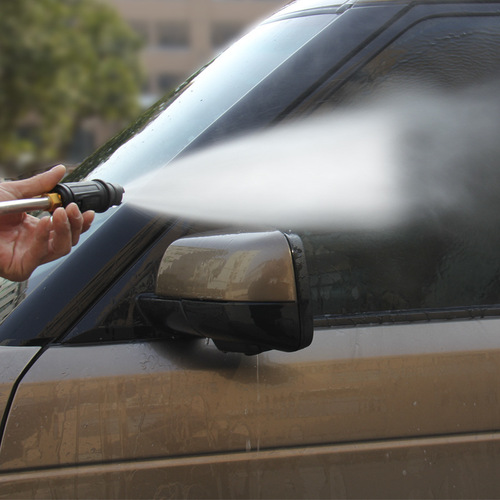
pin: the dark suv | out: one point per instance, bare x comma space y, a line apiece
169, 358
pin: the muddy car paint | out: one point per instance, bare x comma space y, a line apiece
395, 405
377, 393
12, 363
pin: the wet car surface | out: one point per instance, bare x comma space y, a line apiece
171, 358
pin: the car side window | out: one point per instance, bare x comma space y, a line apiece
448, 263
440, 53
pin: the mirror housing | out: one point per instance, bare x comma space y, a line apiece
248, 292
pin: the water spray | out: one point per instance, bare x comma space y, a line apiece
94, 195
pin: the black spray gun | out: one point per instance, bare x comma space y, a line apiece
94, 195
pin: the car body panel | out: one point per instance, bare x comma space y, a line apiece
13, 361
188, 401
462, 466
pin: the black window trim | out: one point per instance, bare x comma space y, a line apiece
408, 316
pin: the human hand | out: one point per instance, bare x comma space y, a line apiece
26, 241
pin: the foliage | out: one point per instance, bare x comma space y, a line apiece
61, 61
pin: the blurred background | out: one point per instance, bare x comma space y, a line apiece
75, 72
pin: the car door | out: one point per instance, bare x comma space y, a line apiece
412, 406
397, 395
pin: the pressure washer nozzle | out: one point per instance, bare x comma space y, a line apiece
94, 195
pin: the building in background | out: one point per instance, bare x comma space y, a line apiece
179, 36
182, 35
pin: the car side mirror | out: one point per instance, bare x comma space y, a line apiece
249, 292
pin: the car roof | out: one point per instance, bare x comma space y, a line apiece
297, 6
317, 6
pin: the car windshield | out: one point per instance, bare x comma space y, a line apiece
170, 126
178, 122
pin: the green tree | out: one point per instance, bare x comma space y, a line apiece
61, 61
